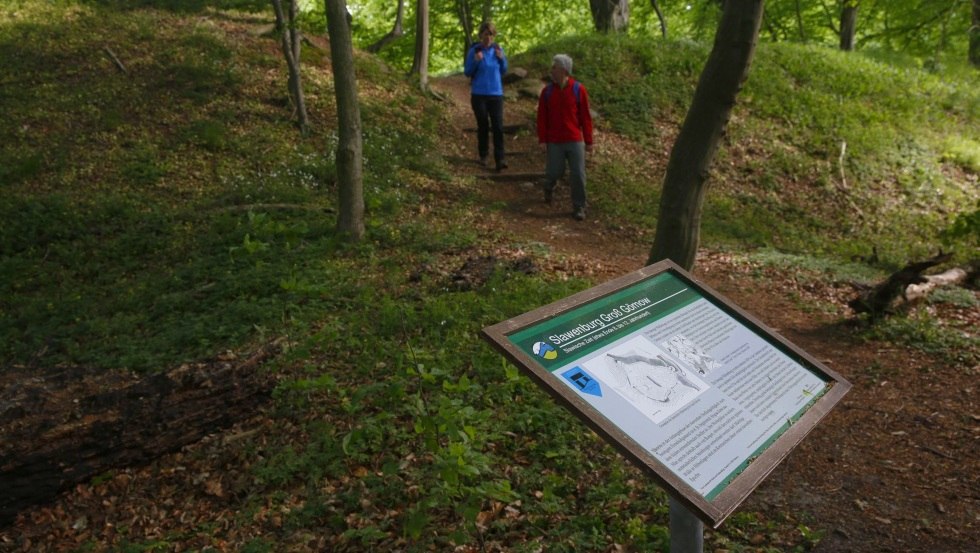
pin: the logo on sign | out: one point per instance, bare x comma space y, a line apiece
545, 351
583, 381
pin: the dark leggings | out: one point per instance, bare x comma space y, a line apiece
489, 112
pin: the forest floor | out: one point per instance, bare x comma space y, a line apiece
895, 467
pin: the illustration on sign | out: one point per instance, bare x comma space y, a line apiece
645, 377
584, 381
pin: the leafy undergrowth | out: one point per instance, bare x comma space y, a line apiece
161, 213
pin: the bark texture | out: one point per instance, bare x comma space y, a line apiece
848, 25
685, 184
610, 15
420, 64
350, 147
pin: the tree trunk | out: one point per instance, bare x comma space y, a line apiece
290, 44
975, 35
61, 427
465, 21
685, 184
799, 22
487, 10
350, 213
420, 64
396, 31
848, 24
660, 17
610, 15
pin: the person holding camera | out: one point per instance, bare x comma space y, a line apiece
486, 65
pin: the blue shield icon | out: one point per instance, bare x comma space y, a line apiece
583, 381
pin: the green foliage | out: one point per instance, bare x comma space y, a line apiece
812, 164
920, 330
170, 213
965, 226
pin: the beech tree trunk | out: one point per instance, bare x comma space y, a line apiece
290, 44
396, 32
848, 24
685, 184
350, 148
610, 15
420, 64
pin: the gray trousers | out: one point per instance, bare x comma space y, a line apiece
574, 154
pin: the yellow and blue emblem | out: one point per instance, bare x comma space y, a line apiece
543, 350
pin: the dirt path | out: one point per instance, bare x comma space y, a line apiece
893, 468
518, 188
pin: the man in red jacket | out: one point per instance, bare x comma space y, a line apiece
565, 131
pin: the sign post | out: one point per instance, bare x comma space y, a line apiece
686, 530
698, 393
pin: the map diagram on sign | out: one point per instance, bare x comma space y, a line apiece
685, 349
653, 382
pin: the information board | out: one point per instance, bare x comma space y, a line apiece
687, 385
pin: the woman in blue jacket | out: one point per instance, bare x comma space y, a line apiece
486, 65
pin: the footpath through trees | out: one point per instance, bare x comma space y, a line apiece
893, 468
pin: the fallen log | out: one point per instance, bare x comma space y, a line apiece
878, 300
948, 278
60, 427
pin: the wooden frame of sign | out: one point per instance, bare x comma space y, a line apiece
692, 389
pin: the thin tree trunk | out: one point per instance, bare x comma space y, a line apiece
465, 21
685, 184
799, 22
420, 65
848, 25
974, 55
396, 31
350, 216
290, 44
660, 17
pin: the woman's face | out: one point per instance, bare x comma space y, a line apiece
486, 37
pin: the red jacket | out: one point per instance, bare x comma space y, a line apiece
562, 117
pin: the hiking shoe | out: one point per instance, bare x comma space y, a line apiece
501, 165
483, 161
549, 195
579, 214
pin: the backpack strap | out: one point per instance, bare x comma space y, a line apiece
576, 89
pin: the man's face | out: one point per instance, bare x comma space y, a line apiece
558, 73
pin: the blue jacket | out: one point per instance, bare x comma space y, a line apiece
486, 74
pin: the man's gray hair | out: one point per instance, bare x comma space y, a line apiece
564, 61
